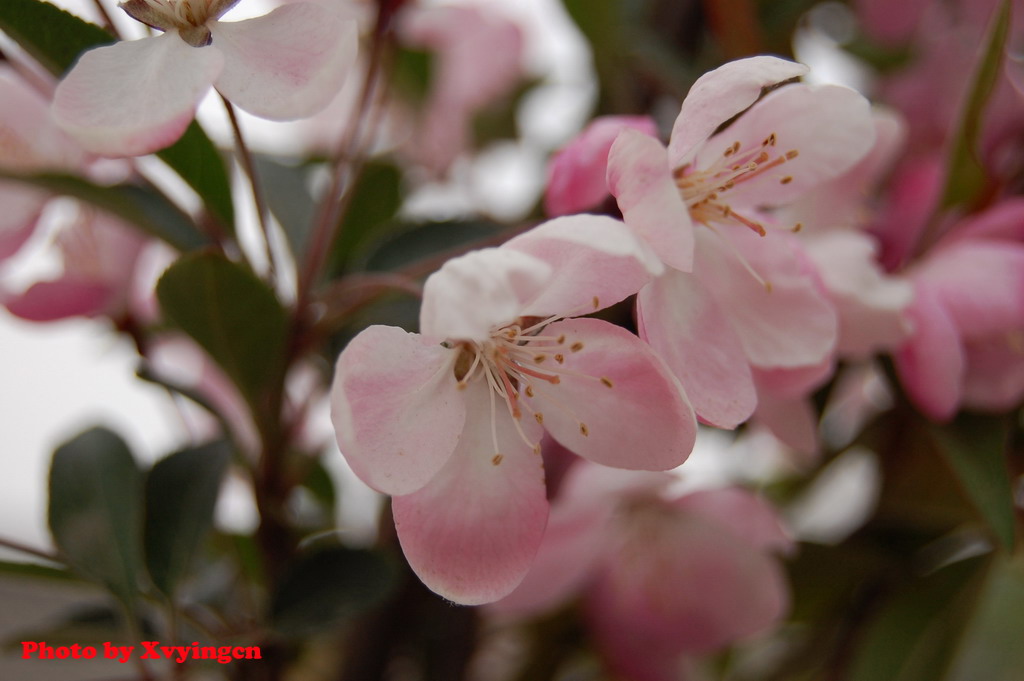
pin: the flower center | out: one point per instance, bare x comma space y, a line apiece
189, 17
512, 362
706, 192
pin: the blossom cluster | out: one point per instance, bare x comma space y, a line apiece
779, 244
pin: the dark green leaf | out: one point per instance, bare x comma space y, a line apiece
52, 36
289, 199
966, 179
181, 492
318, 481
35, 570
95, 509
376, 199
413, 243
413, 70
197, 161
974, 447
991, 645
328, 586
138, 206
231, 313
911, 639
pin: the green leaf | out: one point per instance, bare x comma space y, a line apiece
181, 492
36, 570
328, 586
197, 160
288, 196
52, 36
991, 645
966, 180
376, 199
974, 447
231, 313
95, 509
410, 244
911, 638
149, 211
412, 73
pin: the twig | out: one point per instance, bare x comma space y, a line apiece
249, 167
23, 548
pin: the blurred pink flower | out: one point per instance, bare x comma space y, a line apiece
477, 60
967, 347
99, 256
98, 253
29, 142
663, 576
437, 419
576, 174
137, 97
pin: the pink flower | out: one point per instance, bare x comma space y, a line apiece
751, 289
449, 421
29, 142
870, 303
967, 347
477, 60
99, 256
136, 97
576, 174
97, 251
663, 576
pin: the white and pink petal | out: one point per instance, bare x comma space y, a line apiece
136, 97
287, 64
472, 533
473, 294
640, 178
687, 328
396, 409
596, 261
814, 133
719, 95
612, 379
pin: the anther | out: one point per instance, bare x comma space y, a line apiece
786, 180
597, 303
497, 459
559, 358
607, 381
539, 417
584, 430
797, 227
791, 154
539, 358
529, 391
769, 141
561, 339
576, 347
